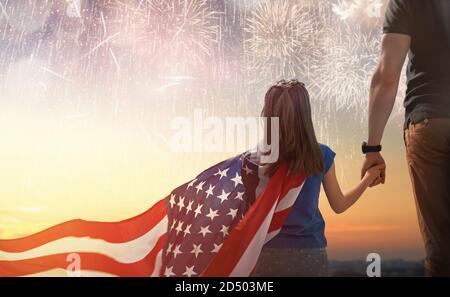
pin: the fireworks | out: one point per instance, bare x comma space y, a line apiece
343, 75
25, 16
280, 38
190, 52
183, 29
172, 33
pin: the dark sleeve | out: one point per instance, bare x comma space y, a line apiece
329, 158
397, 18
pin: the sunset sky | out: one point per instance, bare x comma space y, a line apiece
85, 118
54, 172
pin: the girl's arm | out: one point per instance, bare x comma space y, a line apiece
339, 201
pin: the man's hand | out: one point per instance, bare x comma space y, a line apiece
374, 159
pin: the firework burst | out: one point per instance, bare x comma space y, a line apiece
343, 74
279, 40
171, 32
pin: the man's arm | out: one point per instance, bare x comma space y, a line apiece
383, 91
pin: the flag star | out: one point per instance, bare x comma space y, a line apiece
196, 249
209, 192
247, 170
180, 203
222, 173
204, 230
237, 180
223, 196
176, 251
216, 248
172, 200
191, 184
224, 230
189, 271
212, 214
173, 224
232, 213
189, 207
187, 230
169, 248
168, 271
240, 196
199, 187
198, 210
179, 228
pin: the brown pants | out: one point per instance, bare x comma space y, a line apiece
428, 156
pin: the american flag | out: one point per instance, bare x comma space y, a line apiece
214, 225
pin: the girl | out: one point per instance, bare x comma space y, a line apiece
300, 248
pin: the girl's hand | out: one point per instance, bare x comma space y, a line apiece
373, 173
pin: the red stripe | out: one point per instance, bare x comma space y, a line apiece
291, 182
241, 236
89, 261
280, 216
114, 232
278, 219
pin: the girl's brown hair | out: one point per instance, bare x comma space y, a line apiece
298, 146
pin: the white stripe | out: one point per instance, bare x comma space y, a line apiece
289, 199
158, 263
286, 202
271, 235
59, 272
128, 252
249, 258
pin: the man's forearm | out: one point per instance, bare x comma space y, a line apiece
381, 102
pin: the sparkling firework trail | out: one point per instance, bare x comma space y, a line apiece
342, 77
56, 74
4, 13
100, 44
169, 31
115, 60
280, 38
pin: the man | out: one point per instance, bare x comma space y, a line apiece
421, 29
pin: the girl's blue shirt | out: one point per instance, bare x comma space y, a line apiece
304, 227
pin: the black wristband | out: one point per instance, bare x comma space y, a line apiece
370, 149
